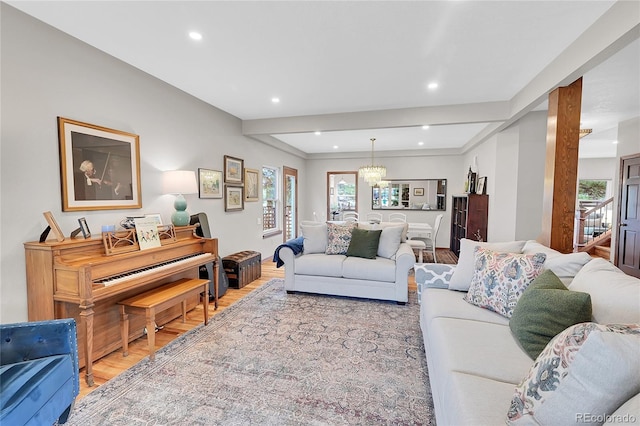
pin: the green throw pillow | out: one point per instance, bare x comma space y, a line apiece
364, 243
545, 309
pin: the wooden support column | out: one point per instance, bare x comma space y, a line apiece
561, 167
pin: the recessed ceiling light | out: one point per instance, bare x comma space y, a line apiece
195, 35
335, 147
432, 86
275, 100
615, 142
318, 133
420, 143
425, 127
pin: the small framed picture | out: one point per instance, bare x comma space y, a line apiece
418, 192
233, 170
481, 187
155, 216
84, 228
210, 183
251, 184
54, 226
233, 198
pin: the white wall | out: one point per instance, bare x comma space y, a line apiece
45, 74
513, 162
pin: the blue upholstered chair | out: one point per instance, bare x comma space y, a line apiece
39, 378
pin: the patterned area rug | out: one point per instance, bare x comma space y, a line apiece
278, 358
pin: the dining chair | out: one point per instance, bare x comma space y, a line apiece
427, 243
397, 217
350, 216
374, 217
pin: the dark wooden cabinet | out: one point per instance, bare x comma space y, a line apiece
469, 216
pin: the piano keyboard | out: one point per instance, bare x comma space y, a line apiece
154, 269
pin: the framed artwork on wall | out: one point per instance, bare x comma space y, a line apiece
251, 185
100, 167
210, 183
233, 170
418, 192
233, 198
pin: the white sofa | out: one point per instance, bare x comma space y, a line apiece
384, 278
475, 362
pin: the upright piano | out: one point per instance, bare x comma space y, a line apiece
76, 278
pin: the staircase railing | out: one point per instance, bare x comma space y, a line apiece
594, 220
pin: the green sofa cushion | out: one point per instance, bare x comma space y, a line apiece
364, 243
545, 309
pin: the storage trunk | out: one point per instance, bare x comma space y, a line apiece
242, 267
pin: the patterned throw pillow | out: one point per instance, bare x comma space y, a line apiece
499, 279
339, 237
583, 375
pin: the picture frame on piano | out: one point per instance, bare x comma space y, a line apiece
84, 228
51, 221
100, 167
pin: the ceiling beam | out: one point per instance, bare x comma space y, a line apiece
404, 117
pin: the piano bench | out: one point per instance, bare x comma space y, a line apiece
153, 301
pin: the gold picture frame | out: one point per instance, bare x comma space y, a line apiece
251, 185
100, 167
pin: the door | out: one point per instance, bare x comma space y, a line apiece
290, 215
628, 248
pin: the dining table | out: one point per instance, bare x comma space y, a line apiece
419, 230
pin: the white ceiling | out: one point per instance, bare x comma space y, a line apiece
358, 70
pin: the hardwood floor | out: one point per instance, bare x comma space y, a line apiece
113, 364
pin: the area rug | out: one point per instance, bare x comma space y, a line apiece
278, 358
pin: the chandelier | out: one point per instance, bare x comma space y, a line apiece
372, 174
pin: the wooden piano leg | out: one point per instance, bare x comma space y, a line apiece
86, 315
184, 311
151, 332
124, 330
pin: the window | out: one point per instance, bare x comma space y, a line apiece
270, 199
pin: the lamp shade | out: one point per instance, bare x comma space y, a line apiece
179, 182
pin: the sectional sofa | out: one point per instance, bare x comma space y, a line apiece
564, 350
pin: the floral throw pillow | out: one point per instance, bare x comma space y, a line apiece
339, 237
583, 375
499, 279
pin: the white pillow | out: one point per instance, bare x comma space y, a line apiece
563, 265
389, 241
587, 371
615, 295
382, 225
314, 238
461, 279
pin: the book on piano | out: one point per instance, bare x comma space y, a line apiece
147, 233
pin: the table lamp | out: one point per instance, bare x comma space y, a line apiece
179, 182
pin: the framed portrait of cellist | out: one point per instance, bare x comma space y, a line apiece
100, 167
